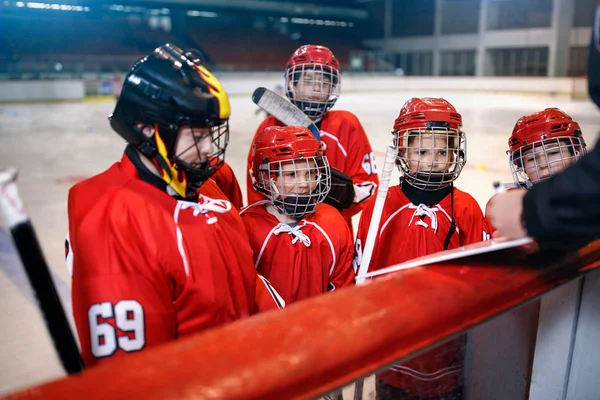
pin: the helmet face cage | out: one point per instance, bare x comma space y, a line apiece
220, 140
295, 187
430, 158
313, 88
540, 160
190, 176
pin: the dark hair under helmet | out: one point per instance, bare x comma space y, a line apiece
169, 89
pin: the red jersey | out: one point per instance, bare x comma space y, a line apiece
305, 260
347, 149
228, 183
148, 268
407, 231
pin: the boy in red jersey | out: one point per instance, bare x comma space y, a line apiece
156, 252
303, 247
312, 83
542, 145
423, 215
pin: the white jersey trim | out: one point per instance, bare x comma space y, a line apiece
264, 245
208, 205
423, 376
334, 258
339, 145
69, 258
179, 235
243, 210
276, 297
276, 228
434, 209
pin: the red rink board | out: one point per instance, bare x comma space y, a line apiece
331, 340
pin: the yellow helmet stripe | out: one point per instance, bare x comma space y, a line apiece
215, 88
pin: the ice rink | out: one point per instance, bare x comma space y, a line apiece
54, 145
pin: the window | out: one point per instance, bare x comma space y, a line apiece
532, 61
460, 16
457, 63
584, 12
413, 18
518, 14
578, 57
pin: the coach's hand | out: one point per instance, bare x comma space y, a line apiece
506, 214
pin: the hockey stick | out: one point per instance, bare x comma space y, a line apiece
384, 184
38, 272
282, 109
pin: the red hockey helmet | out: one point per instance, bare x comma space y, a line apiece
312, 80
431, 147
289, 167
543, 144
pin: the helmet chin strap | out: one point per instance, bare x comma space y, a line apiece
452, 229
195, 176
293, 206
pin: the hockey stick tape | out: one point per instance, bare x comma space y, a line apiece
10, 202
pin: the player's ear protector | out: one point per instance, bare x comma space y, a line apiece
146, 145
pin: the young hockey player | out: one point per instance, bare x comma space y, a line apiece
303, 247
541, 145
312, 83
152, 259
423, 215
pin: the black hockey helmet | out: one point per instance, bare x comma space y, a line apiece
169, 89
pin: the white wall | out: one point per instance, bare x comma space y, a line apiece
41, 90
245, 83
240, 84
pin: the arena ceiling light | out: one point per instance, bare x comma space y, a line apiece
51, 6
205, 14
323, 22
136, 9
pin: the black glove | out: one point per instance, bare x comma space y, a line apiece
341, 195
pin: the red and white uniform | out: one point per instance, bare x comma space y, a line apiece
347, 148
305, 260
228, 183
407, 231
148, 268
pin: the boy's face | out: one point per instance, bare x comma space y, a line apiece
313, 86
428, 152
542, 161
298, 177
193, 145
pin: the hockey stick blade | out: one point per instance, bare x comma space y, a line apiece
282, 109
38, 272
